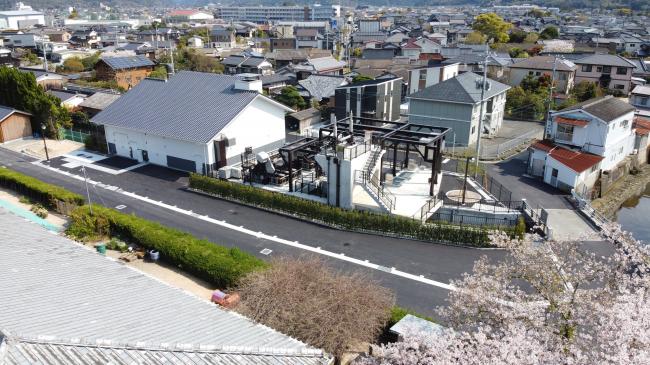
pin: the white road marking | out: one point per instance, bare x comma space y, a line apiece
120, 207
241, 229
266, 251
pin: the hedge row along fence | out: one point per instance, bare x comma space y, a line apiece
51, 196
216, 264
348, 219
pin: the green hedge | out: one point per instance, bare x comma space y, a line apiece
216, 264
349, 219
39, 191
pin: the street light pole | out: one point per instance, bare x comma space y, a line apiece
465, 180
481, 114
47, 156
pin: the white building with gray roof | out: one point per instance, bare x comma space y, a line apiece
193, 121
62, 303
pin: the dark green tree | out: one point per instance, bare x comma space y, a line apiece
586, 90
19, 90
517, 36
550, 32
290, 97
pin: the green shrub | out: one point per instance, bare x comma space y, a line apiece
39, 210
349, 219
37, 190
216, 264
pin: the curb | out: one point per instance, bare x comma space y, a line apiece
332, 226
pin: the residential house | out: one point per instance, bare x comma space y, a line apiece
319, 66
157, 35
244, 63
439, 38
97, 102
127, 72
377, 99
609, 71
583, 143
631, 43
640, 98
411, 50
7, 59
473, 62
561, 71
285, 57
195, 42
197, 122
223, 38
47, 80
86, 38
301, 121
69, 99
55, 35
456, 103
130, 318
274, 83
14, 124
321, 88
283, 43
425, 76
307, 38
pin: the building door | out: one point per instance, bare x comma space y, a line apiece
145, 156
220, 153
554, 173
538, 167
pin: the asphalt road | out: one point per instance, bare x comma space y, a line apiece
434, 261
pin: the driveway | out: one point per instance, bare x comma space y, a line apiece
564, 221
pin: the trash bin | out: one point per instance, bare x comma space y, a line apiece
101, 248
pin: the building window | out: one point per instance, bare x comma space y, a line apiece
530, 73
538, 73
594, 168
564, 132
473, 129
624, 123
607, 69
621, 71
562, 76
643, 100
619, 86
599, 69
586, 68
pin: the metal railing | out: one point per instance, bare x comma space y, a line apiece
472, 220
386, 198
498, 150
357, 150
426, 208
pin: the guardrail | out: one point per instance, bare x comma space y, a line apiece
389, 200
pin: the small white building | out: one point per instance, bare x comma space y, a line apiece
581, 142
21, 19
195, 42
194, 121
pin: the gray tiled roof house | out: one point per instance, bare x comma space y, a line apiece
190, 106
460, 89
606, 108
62, 303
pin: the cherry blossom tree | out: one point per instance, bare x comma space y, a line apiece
545, 303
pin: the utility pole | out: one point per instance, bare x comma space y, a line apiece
90, 205
480, 118
550, 95
45, 56
171, 52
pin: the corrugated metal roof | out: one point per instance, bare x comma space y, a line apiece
55, 291
119, 63
99, 100
192, 106
460, 89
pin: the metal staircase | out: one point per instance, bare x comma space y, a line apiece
369, 178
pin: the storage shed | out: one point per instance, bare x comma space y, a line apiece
14, 124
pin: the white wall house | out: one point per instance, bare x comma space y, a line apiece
193, 122
581, 141
423, 77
